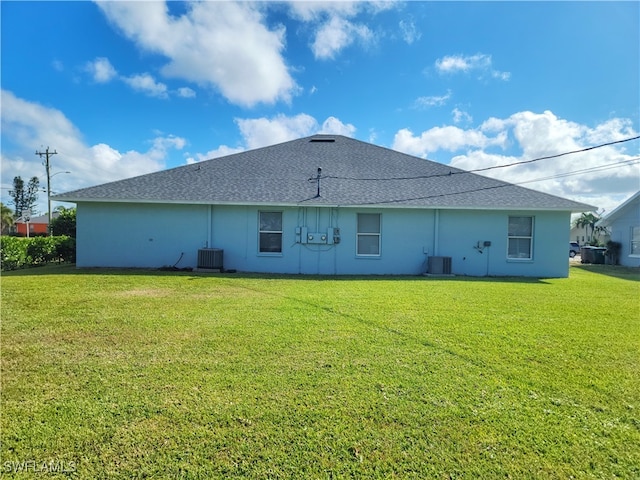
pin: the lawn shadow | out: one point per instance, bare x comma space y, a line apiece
617, 271
70, 269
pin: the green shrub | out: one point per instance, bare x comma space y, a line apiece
40, 250
65, 223
13, 252
65, 248
22, 252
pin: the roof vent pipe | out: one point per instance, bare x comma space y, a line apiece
317, 180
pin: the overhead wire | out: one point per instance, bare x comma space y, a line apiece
559, 154
484, 169
503, 184
598, 168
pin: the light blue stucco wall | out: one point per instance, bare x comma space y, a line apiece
461, 231
404, 237
139, 235
621, 233
148, 235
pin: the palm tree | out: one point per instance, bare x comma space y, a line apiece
7, 218
588, 221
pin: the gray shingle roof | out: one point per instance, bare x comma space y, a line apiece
353, 173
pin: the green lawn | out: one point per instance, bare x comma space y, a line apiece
136, 374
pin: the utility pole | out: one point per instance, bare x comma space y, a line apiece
46, 154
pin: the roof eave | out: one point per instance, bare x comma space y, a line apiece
615, 213
578, 208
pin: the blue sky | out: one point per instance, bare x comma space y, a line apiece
124, 88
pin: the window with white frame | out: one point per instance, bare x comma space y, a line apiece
635, 241
368, 234
520, 238
270, 232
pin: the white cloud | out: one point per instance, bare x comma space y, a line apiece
493, 124
334, 126
224, 45
432, 101
333, 26
262, 132
186, 92
146, 83
101, 70
259, 132
504, 76
25, 124
409, 31
448, 138
538, 135
117, 165
612, 130
28, 124
221, 151
337, 34
544, 134
460, 116
314, 11
606, 174
461, 63
162, 144
479, 62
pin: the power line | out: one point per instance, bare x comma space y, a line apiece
503, 184
484, 169
599, 168
558, 155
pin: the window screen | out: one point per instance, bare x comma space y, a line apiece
368, 234
520, 238
635, 240
270, 232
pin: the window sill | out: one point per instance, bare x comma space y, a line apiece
519, 260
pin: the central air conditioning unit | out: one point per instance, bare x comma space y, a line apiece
439, 265
210, 258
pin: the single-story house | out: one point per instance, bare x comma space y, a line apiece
325, 204
581, 235
624, 224
34, 225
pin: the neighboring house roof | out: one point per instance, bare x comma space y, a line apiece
611, 217
353, 173
39, 219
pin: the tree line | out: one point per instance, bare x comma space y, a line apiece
24, 198
62, 224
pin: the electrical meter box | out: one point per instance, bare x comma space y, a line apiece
330, 237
